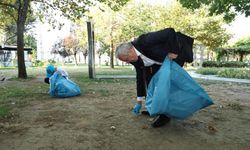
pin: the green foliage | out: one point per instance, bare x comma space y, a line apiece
208, 71
235, 73
4, 111
9, 15
114, 4
139, 18
52, 61
37, 63
234, 64
207, 30
20, 12
136, 18
240, 73
228, 8
30, 41
243, 45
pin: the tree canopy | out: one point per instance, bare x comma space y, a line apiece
20, 10
229, 8
240, 48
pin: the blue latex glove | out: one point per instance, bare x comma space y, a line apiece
136, 109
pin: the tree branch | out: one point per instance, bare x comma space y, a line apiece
8, 5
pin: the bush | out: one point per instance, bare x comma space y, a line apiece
37, 63
208, 71
233, 64
235, 73
240, 73
52, 61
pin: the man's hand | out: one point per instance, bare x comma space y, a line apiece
172, 55
137, 108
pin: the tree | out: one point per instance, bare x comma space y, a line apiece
242, 47
30, 41
81, 34
207, 30
140, 18
101, 49
106, 28
71, 45
20, 10
229, 8
58, 48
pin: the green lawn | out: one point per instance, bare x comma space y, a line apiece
19, 92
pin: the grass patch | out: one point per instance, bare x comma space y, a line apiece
15, 78
4, 111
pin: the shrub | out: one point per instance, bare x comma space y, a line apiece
52, 61
208, 71
239, 73
233, 64
37, 63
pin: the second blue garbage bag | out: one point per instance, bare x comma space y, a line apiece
173, 92
62, 87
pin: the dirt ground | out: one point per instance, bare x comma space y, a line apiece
101, 118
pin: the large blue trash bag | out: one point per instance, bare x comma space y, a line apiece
62, 87
173, 92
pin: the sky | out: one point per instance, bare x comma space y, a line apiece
239, 28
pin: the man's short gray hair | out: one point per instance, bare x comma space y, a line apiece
123, 49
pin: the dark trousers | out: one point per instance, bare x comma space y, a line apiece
149, 72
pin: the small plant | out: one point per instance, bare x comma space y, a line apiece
37, 63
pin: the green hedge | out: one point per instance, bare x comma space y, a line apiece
208, 71
232, 64
235, 73
240, 73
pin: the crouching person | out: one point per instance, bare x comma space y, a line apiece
60, 84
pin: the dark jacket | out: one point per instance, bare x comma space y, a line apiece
156, 46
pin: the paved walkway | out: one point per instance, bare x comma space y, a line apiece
191, 73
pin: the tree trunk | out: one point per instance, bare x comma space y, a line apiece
100, 60
202, 55
112, 55
22, 15
111, 48
75, 60
241, 57
85, 59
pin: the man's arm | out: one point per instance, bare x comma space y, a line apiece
140, 83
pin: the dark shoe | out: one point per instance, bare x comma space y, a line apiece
160, 120
146, 113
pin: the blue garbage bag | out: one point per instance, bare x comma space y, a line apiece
173, 92
50, 69
62, 87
